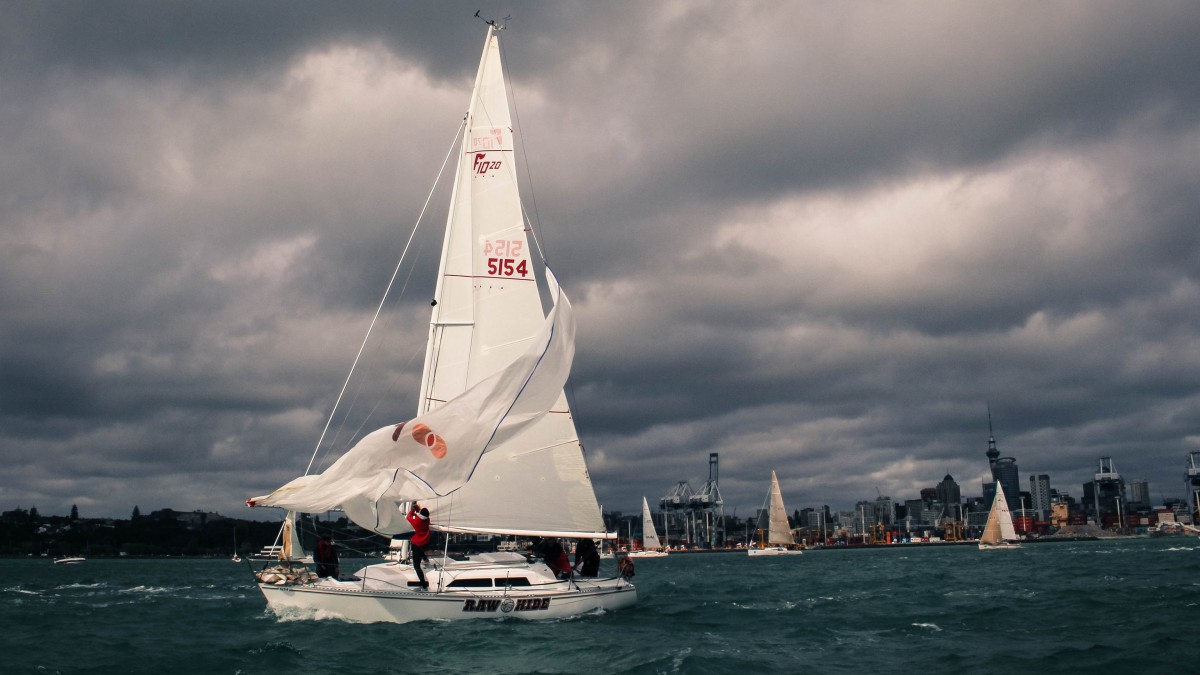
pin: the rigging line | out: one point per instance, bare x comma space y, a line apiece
383, 300
362, 383
391, 387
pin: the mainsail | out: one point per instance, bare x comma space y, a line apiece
493, 447
778, 531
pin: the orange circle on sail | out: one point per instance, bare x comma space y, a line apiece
420, 432
437, 447
436, 444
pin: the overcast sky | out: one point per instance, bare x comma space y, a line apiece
819, 238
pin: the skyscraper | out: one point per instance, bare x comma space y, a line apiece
949, 495
1139, 493
1004, 470
1039, 488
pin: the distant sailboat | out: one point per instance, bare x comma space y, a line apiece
999, 532
651, 546
779, 540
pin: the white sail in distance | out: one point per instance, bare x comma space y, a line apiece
778, 531
649, 534
999, 527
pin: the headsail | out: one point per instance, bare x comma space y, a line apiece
435, 453
649, 534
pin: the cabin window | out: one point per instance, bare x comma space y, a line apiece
513, 581
470, 583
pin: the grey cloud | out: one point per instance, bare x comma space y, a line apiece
819, 245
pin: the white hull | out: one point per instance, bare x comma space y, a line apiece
647, 554
773, 550
68, 561
387, 592
998, 546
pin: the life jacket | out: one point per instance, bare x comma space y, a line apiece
420, 525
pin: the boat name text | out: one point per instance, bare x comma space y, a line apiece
506, 605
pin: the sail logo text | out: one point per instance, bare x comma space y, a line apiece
483, 165
507, 605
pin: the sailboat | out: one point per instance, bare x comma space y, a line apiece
493, 448
651, 546
999, 532
779, 540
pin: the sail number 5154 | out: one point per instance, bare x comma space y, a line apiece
504, 258
507, 267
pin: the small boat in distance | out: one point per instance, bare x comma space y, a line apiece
651, 546
778, 540
69, 561
999, 532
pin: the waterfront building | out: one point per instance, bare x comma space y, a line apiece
913, 508
864, 516
885, 510
1059, 514
932, 514
1139, 493
949, 494
929, 496
1039, 492
847, 520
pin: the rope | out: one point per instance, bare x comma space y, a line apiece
383, 300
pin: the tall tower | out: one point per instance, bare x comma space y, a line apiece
992, 452
1004, 471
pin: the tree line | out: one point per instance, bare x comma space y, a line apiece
161, 533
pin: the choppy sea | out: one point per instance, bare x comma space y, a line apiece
1082, 607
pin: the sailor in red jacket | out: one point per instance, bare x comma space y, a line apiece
418, 517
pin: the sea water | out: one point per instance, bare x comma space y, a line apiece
1127, 606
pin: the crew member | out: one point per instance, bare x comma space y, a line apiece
418, 517
326, 557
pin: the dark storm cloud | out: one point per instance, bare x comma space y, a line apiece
814, 238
